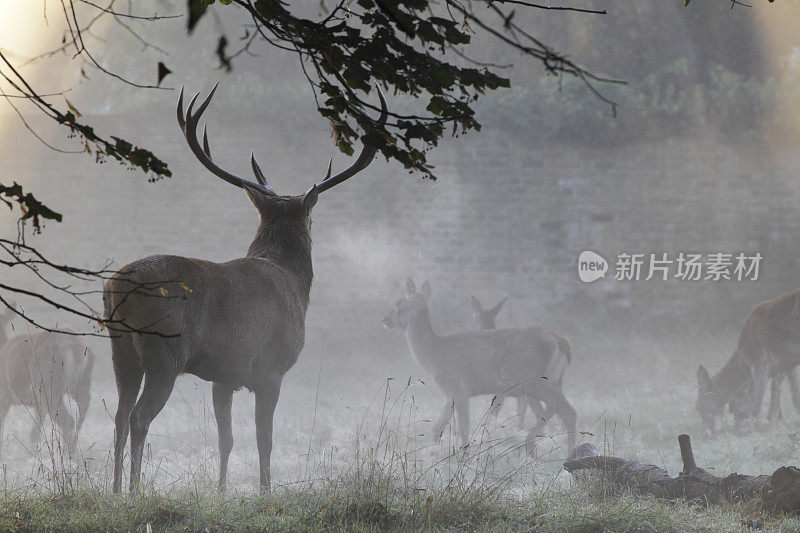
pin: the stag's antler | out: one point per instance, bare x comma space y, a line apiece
188, 124
364, 158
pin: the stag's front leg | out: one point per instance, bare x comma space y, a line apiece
223, 400
266, 400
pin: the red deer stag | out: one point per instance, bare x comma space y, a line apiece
769, 347
239, 323
485, 319
491, 362
37, 370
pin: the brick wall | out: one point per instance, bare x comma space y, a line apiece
506, 217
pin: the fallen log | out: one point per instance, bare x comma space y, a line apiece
779, 492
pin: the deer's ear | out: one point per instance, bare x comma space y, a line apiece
476, 305
426, 289
310, 199
496, 309
703, 379
411, 288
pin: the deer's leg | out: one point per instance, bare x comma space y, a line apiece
522, 405
462, 417
497, 405
444, 418
37, 425
555, 403
792, 375
59, 413
158, 385
4, 407
128, 389
774, 412
223, 400
266, 400
760, 378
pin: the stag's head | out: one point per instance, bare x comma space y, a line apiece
710, 400
408, 306
484, 318
281, 216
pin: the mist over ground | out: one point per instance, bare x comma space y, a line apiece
513, 208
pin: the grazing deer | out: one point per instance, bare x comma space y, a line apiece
485, 319
238, 324
37, 370
474, 363
769, 347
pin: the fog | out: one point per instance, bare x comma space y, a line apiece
512, 209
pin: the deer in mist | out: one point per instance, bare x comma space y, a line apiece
768, 349
488, 362
37, 370
485, 319
240, 323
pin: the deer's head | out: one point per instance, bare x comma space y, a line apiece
710, 400
282, 217
484, 318
408, 306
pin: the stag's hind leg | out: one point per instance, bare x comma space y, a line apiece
266, 400
223, 399
128, 375
158, 385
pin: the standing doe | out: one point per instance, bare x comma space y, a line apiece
37, 370
485, 319
236, 324
474, 363
769, 347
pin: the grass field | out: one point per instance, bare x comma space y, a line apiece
354, 452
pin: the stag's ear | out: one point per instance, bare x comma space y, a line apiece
310, 199
426, 289
411, 288
703, 379
476, 305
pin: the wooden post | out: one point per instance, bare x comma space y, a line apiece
685, 444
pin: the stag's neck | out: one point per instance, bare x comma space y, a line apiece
288, 246
423, 341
